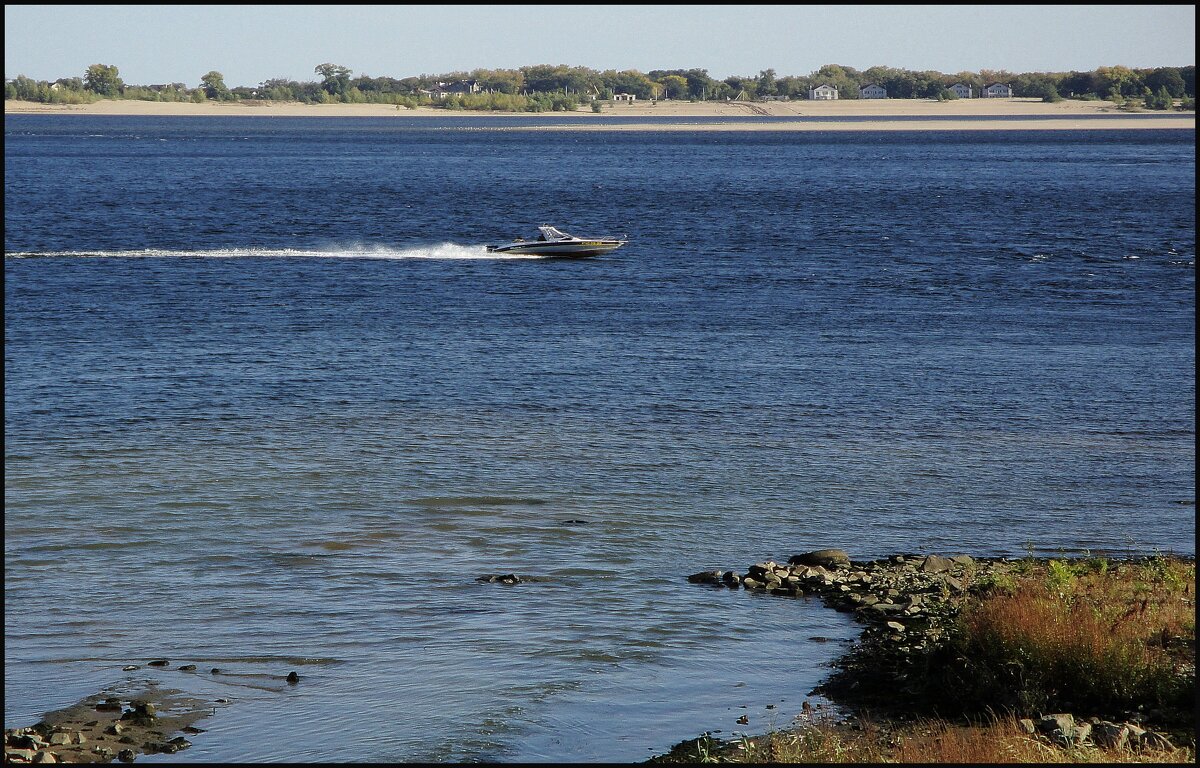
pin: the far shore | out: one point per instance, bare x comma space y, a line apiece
858, 114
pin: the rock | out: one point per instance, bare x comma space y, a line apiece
895, 626
1060, 722
45, 757
706, 577
1027, 726
214, 671
507, 578
187, 668
1156, 741
116, 729
731, 579
158, 663
936, 564
828, 558
109, 706
130, 668
126, 755
965, 561
293, 678
1062, 730
60, 739
26, 741
175, 744
18, 754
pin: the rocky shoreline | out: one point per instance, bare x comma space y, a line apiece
909, 604
137, 716
109, 726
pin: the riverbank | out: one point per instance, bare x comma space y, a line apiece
857, 114
989, 660
961, 659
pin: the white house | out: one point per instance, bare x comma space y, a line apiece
996, 91
624, 97
872, 91
823, 92
960, 90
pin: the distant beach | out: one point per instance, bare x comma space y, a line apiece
858, 114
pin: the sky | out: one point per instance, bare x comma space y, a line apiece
252, 43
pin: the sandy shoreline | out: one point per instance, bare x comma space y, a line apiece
860, 115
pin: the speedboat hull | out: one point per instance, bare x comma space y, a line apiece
578, 249
554, 243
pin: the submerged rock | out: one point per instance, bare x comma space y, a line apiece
507, 578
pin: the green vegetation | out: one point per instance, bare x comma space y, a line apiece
546, 87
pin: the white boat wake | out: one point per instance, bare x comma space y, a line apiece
441, 251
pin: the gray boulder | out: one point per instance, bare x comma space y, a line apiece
826, 558
936, 564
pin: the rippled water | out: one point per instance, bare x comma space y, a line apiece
269, 405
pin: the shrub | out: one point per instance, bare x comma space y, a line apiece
1082, 633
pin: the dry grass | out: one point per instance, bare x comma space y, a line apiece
1112, 637
999, 740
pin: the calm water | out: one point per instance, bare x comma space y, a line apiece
269, 406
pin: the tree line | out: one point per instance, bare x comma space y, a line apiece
560, 87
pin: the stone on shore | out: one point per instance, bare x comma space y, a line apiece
826, 558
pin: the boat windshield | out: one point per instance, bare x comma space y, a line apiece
550, 233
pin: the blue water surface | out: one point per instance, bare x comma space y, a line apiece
270, 405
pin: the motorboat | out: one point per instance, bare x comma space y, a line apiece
554, 242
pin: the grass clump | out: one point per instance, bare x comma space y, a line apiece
1085, 634
995, 740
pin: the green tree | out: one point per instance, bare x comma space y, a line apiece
675, 87
766, 82
336, 78
103, 79
1166, 77
1123, 80
214, 86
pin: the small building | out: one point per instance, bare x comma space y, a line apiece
961, 91
463, 87
996, 91
872, 91
624, 97
823, 92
